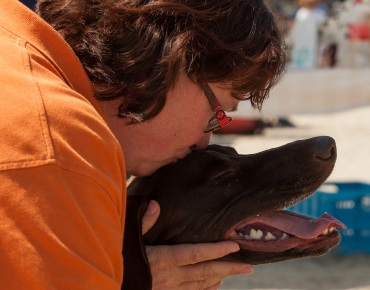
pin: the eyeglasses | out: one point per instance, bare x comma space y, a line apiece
219, 119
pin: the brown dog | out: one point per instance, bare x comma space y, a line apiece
217, 194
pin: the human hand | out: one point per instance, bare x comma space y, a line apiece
187, 266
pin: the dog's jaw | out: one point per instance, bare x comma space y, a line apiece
283, 230
293, 224
289, 243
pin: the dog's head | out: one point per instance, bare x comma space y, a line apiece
217, 194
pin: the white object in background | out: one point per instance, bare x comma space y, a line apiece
304, 38
313, 91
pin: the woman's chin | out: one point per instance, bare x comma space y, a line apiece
148, 169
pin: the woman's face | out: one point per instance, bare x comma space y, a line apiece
176, 131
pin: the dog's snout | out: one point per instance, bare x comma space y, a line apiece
326, 148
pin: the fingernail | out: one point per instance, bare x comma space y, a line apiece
151, 209
234, 248
247, 270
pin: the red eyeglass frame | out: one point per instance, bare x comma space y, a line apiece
219, 114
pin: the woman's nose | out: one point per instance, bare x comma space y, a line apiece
202, 143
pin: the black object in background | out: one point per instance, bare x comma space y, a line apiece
29, 3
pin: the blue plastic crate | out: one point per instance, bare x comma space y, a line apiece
348, 202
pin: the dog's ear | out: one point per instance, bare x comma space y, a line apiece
222, 149
137, 273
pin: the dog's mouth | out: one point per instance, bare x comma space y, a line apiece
279, 231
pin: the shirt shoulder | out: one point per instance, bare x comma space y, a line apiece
46, 121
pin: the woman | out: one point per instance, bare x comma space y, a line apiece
109, 88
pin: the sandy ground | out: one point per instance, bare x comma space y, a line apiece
351, 130
322, 273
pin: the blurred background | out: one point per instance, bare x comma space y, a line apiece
326, 91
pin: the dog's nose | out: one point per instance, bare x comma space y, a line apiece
325, 148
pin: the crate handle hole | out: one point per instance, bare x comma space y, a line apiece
329, 188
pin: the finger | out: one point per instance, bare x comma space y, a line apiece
150, 216
166, 275
211, 274
214, 287
200, 285
214, 270
185, 254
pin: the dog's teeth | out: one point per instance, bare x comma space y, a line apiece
331, 229
325, 232
247, 237
260, 234
253, 234
283, 237
241, 234
256, 235
269, 237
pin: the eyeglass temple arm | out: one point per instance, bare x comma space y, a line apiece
216, 106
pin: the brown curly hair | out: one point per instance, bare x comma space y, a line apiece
134, 49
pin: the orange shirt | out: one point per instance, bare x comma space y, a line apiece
62, 174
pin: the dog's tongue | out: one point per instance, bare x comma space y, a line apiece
299, 225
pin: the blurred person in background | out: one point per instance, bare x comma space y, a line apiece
311, 8
307, 52
348, 30
357, 53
